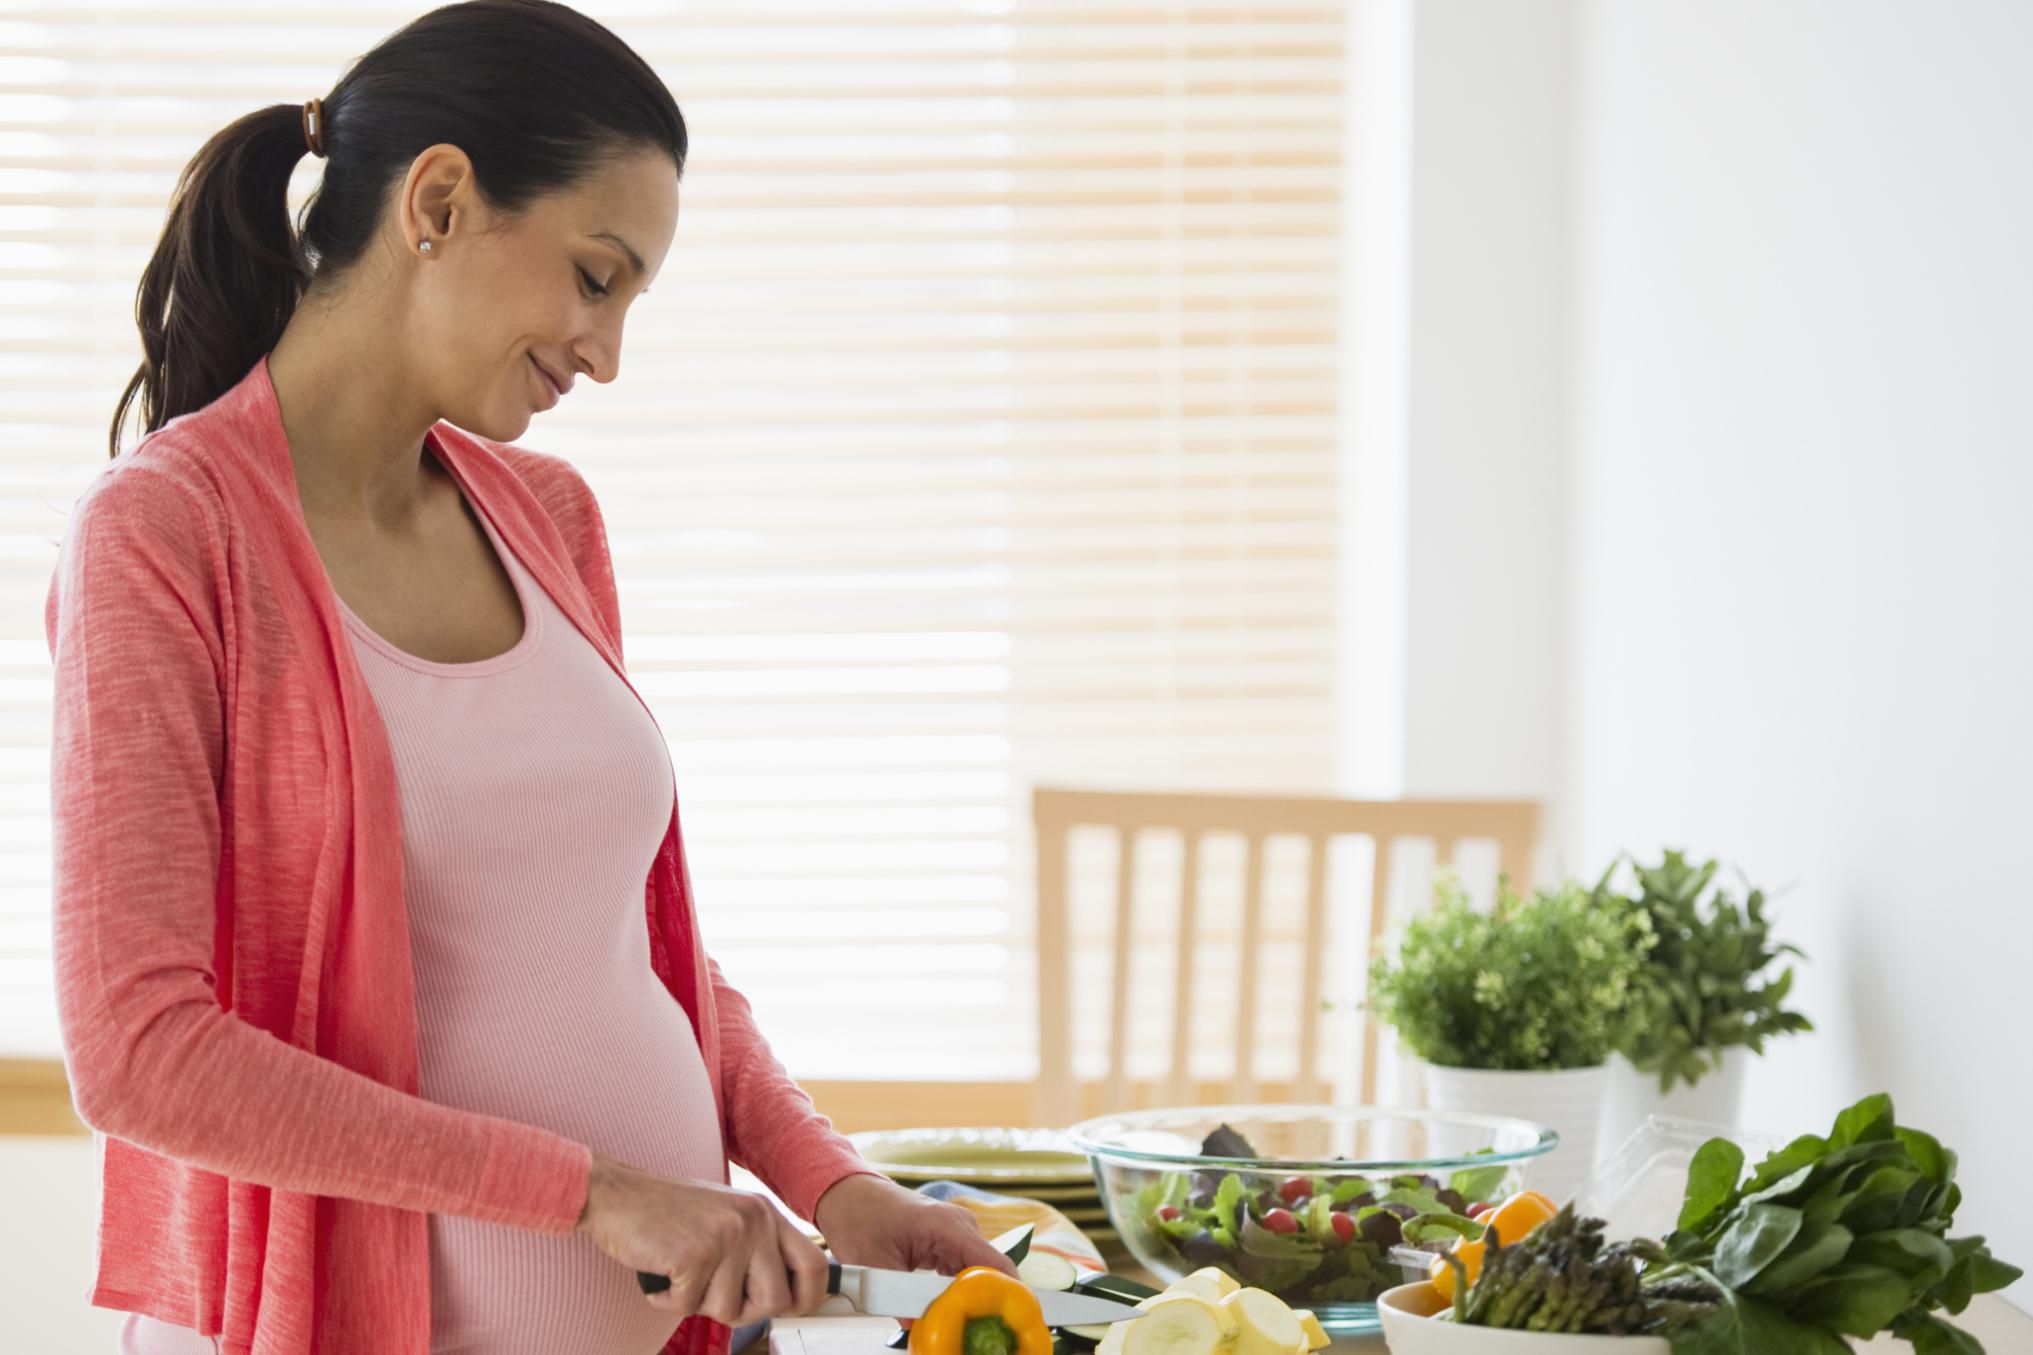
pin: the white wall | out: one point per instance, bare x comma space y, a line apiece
48, 1247
1486, 381
1802, 570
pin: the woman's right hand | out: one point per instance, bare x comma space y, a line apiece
730, 1254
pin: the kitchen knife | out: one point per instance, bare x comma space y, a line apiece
907, 1293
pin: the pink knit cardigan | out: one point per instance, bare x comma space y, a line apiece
232, 948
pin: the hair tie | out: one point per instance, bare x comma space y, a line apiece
314, 126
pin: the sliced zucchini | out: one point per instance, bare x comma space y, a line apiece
1181, 1325
1016, 1243
1209, 1283
1115, 1287
1262, 1324
1043, 1270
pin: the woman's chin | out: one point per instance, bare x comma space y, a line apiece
500, 425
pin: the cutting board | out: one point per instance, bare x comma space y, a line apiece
825, 1333
2003, 1328
851, 1333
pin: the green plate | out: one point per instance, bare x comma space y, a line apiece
998, 1157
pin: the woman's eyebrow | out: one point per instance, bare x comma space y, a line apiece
634, 259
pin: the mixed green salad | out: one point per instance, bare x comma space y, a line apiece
1310, 1240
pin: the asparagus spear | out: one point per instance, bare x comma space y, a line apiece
1562, 1277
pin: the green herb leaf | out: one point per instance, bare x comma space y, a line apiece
1931, 1336
1867, 1120
1419, 1198
1993, 1274
1428, 1227
1928, 1155
1711, 1180
1344, 1191
1782, 1190
1921, 1257
1884, 1198
1226, 1195
1750, 1326
1795, 1155
1818, 1247
1478, 1183
1756, 1238
1855, 1299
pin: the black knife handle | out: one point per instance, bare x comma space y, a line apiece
656, 1284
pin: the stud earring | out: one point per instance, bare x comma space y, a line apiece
425, 246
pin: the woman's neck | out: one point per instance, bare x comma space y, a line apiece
354, 415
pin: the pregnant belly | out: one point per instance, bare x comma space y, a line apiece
618, 1070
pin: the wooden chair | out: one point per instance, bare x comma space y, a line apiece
1513, 825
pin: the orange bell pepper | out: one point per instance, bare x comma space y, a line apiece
982, 1312
1512, 1219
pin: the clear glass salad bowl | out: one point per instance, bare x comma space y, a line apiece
1309, 1201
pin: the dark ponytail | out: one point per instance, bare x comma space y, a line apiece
228, 260
536, 94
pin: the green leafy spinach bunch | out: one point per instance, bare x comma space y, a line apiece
1845, 1235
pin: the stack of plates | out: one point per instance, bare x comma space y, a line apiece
1037, 1164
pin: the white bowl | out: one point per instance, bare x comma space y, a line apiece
1411, 1329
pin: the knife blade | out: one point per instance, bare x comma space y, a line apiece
907, 1293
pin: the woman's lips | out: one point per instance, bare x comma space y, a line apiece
550, 387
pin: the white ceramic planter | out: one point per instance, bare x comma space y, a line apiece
1570, 1102
1633, 1096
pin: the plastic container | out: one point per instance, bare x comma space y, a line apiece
1638, 1189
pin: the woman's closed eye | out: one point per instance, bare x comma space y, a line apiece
592, 287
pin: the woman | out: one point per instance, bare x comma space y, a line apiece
437, 1070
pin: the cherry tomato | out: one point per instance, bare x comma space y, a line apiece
1344, 1227
1281, 1221
1294, 1189
1479, 1208
1168, 1212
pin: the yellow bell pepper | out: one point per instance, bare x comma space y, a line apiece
1512, 1219
983, 1312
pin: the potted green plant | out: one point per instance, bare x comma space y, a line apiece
1516, 1011
1713, 991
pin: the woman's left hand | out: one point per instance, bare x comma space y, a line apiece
873, 1221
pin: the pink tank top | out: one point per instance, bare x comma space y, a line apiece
535, 791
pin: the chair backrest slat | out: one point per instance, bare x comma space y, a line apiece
1179, 1088
1312, 968
1251, 961
1513, 825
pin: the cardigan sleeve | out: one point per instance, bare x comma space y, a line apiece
137, 765
773, 1129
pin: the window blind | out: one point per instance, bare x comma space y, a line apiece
980, 432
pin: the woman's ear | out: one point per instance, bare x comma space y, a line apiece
438, 202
